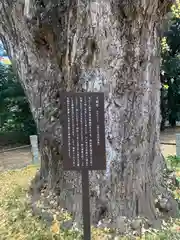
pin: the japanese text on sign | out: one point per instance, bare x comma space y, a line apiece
83, 132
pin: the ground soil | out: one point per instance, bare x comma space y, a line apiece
169, 137
22, 157
15, 159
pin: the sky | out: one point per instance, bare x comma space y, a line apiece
2, 51
3, 56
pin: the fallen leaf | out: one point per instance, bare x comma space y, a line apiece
55, 226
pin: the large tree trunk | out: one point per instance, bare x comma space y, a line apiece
104, 45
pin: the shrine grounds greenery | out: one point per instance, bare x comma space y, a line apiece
18, 223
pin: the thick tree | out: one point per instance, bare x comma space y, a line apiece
102, 45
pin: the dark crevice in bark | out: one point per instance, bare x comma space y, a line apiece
102, 213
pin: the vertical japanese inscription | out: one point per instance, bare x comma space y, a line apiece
90, 130
73, 130
77, 133
86, 133
69, 126
83, 131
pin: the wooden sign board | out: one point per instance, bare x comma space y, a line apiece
83, 131
84, 140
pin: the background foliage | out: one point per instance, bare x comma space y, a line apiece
170, 68
15, 115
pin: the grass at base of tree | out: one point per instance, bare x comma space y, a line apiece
18, 223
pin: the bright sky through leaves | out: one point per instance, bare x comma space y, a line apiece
4, 59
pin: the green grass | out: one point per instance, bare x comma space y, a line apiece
18, 223
173, 162
16, 219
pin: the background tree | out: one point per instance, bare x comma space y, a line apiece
15, 115
105, 45
170, 77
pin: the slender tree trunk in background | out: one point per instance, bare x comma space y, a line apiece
163, 103
105, 45
173, 92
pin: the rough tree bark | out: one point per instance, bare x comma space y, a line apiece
102, 45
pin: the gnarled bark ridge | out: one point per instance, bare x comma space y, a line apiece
102, 45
